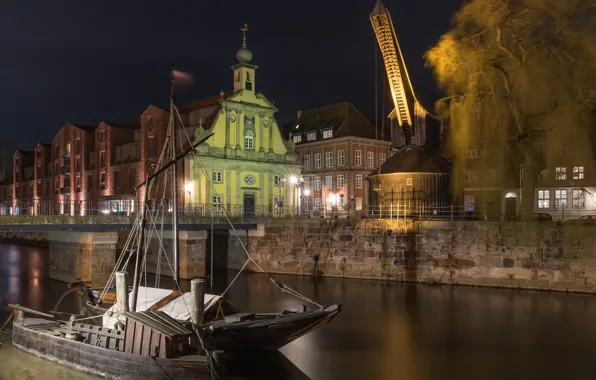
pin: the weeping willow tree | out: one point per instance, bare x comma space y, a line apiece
520, 75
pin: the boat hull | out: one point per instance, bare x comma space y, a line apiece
266, 334
104, 362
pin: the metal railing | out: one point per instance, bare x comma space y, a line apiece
129, 207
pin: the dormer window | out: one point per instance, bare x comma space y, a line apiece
297, 139
327, 134
311, 136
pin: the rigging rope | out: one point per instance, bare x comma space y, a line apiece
249, 258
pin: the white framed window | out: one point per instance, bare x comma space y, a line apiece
317, 160
561, 173
381, 158
297, 139
217, 203
340, 181
578, 198
277, 203
311, 136
469, 175
317, 204
358, 203
543, 176
543, 198
358, 158
249, 140
307, 162
277, 180
578, 172
471, 153
317, 183
329, 182
329, 159
341, 158
370, 158
327, 134
561, 198
408, 181
359, 181
217, 176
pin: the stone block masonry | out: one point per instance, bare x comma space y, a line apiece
87, 256
191, 254
502, 254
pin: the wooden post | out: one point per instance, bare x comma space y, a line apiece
121, 292
197, 295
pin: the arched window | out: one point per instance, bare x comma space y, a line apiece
249, 140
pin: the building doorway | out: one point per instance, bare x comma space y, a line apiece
249, 204
510, 206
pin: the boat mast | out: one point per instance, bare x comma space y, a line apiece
176, 242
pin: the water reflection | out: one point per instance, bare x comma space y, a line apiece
385, 331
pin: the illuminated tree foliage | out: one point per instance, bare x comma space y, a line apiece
520, 75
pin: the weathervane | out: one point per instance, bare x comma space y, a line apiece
244, 30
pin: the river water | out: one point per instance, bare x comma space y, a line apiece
385, 331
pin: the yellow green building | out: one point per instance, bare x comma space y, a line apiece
246, 166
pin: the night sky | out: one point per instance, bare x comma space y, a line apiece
84, 62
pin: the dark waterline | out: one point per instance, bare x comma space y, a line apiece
385, 331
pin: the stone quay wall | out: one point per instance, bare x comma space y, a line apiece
87, 256
501, 254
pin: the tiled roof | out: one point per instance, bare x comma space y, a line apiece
203, 103
343, 118
414, 159
86, 128
130, 125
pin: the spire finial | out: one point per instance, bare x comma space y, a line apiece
244, 29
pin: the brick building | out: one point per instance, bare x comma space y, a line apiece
338, 147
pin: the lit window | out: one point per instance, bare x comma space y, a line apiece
297, 139
317, 160
340, 158
560, 198
578, 172
307, 162
311, 136
317, 183
561, 173
340, 181
217, 176
359, 181
358, 203
329, 182
579, 198
408, 181
329, 159
358, 158
327, 134
370, 156
317, 204
102, 181
381, 158
249, 140
543, 198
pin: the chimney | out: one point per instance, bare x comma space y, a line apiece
299, 115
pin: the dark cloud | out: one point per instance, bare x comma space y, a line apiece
83, 62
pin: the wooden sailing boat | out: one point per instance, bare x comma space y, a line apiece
149, 344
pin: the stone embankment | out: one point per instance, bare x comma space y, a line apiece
502, 254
